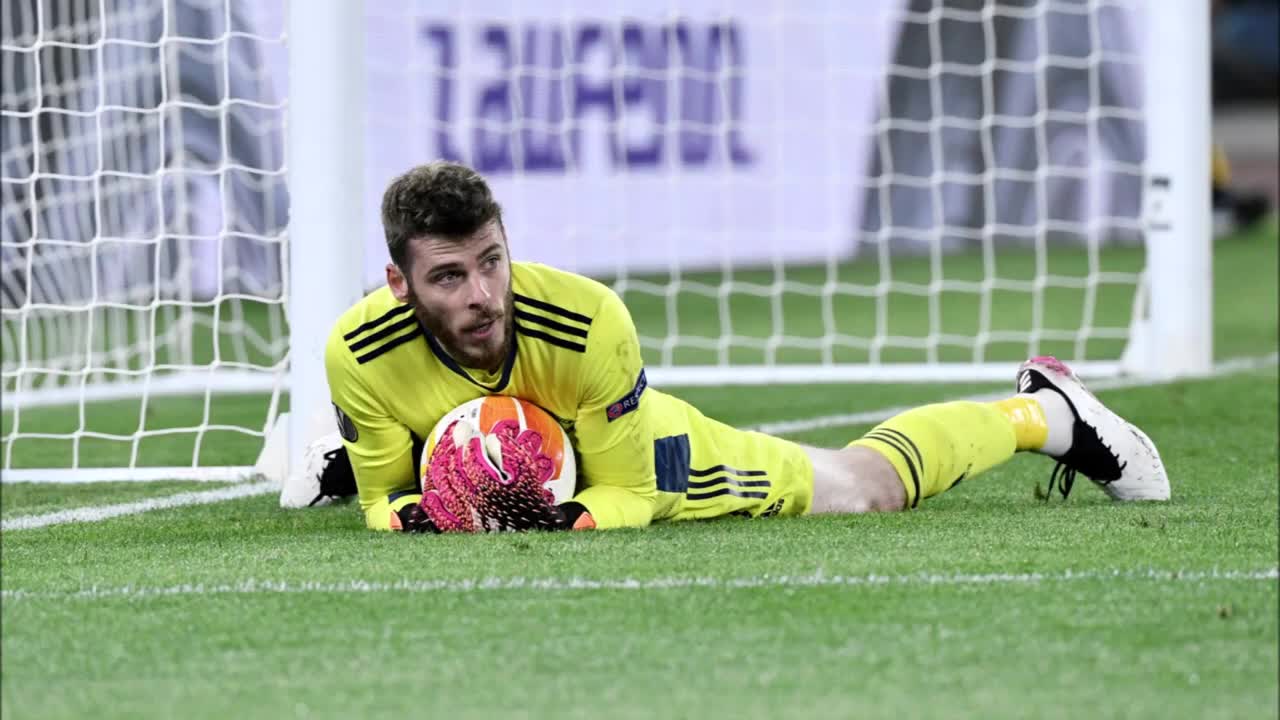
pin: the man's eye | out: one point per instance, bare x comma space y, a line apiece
446, 278
492, 261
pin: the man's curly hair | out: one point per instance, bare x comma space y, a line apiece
442, 199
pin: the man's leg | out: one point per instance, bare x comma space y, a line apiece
917, 454
928, 450
854, 480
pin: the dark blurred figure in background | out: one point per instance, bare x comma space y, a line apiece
1246, 72
1246, 52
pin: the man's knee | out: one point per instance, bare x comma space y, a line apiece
855, 479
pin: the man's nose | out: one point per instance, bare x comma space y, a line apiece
479, 289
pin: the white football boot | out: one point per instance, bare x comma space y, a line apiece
1105, 448
326, 475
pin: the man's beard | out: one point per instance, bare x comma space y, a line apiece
489, 359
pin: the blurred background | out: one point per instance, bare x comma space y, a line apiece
187, 146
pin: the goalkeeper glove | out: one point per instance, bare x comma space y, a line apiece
508, 470
413, 519
519, 455
574, 516
446, 496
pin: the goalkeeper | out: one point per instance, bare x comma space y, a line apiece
459, 319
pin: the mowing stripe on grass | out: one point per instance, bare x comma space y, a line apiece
552, 584
94, 514
792, 427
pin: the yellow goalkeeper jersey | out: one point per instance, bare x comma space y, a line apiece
575, 354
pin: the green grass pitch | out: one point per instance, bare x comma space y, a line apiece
986, 602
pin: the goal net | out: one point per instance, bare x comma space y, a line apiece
889, 190
144, 208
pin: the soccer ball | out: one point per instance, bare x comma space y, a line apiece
488, 411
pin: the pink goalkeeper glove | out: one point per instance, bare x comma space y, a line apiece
509, 471
446, 495
491, 482
519, 454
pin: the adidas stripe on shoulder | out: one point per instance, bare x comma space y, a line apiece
382, 334
551, 323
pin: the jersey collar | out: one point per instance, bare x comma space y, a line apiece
453, 365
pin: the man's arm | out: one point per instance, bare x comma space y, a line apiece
380, 447
614, 425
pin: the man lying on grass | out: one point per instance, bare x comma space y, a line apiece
459, 319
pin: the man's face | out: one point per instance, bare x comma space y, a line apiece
461, 291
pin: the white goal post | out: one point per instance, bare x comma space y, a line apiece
815, 192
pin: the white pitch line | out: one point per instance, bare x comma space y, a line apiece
552, 584
822, 422
95, 514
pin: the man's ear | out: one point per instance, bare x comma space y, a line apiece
398, 283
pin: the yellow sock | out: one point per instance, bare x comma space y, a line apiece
936, 446
1029, 423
